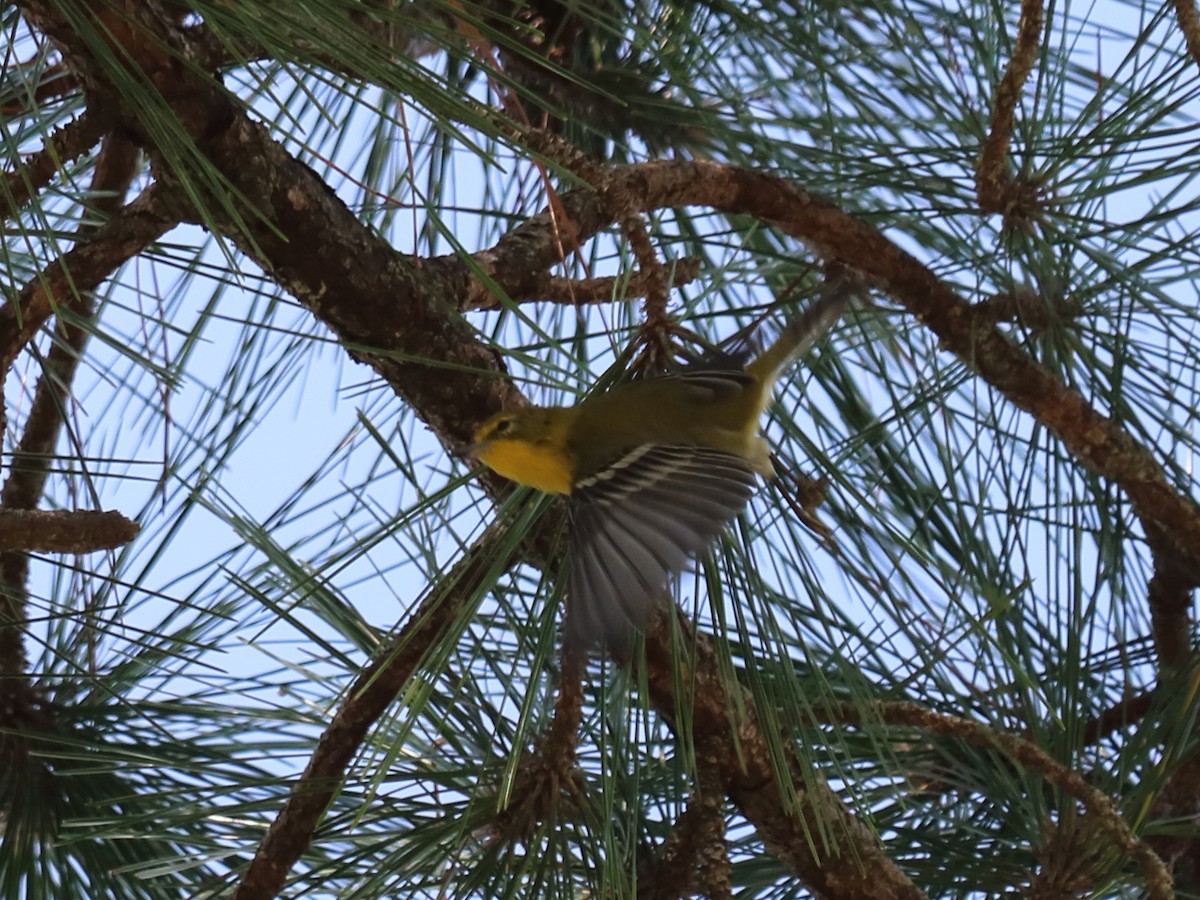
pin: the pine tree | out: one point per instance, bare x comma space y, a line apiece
265, 631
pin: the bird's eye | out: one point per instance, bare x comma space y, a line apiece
502, 426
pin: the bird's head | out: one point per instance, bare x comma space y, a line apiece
529, 446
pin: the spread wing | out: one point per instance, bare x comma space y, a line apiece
635, 524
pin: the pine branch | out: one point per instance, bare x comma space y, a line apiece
64, 531
368, 699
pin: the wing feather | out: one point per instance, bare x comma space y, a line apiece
636, 523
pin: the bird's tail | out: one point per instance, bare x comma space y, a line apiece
802, 332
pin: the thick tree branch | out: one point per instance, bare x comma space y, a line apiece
1170, 598
694, 860
403, 321
399, 320
800, 819
547, 774
1172, 521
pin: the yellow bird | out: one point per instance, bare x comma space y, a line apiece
653, 469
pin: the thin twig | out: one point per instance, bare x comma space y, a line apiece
607, 289
64, 531
1129, 711
995, 188
83, 268
38, 169
54, 81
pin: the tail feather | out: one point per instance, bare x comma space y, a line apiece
803, 331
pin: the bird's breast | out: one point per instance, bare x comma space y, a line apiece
530, 464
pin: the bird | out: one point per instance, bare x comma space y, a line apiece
653, 470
